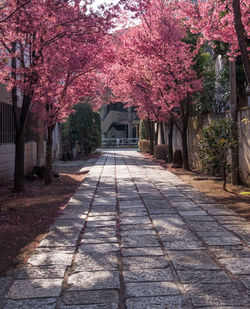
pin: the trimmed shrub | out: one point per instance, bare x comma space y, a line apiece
161, 152
144, 145
143, 134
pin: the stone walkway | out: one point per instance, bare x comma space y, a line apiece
136, 236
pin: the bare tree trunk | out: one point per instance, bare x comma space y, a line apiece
170, 141
150, 126
49, 144
162, 133
185, 110
242, 39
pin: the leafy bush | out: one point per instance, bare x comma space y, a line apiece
161, 152
144, 145
215, 146
143, 133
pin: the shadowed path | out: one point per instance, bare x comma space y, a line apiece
136, 236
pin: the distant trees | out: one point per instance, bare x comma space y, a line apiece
83, 127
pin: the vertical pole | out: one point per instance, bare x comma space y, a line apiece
234, 116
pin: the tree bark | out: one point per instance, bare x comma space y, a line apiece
49, 144
162, 133
185, 111
151, 135
242, 39
19, 161
170, 141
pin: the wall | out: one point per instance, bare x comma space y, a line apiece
194, 132
7, 160
244, 138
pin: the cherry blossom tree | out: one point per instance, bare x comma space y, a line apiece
151, 74
34, 36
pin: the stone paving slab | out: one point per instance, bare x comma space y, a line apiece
160, 302
136, 236
95, 280
45, 303
31, 288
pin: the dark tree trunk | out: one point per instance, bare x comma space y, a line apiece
170, 141
20, 126
151, 135
162, 133
184, 149
19, 162
242, 39
49, 144
185, 110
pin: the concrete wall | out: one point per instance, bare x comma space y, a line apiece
7, 160
244, 152
194, 132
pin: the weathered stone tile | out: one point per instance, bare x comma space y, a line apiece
35, 288
42, 272
206, 226
195, 260
56, 242
239, 266
104, 208
132, 227
188, 244
101, 218
144, 262
91, 297
222, 252
138, 233
245, 279
139, 241
197, 212
99, 233
99, 223
221, 241
94, 280
141, 251
100, 240
148, 275
50, 258
151, 289
133, 213
214, 209
45, 303
159, 302
95, 261
203, 276
4, 282
92, 306
135, 220
108, 247
229, 219
216, 295
200, 219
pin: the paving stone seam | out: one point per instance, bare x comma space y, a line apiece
234, 279
176, 277
122, 303
70, 269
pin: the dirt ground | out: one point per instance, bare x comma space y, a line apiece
236, 198
26, 218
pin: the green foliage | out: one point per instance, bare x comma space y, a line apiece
143, 133
83, 126
215, 146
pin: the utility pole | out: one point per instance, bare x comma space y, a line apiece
234, 116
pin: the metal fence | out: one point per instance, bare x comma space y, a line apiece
119, 142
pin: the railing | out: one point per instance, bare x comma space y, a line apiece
120, 142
